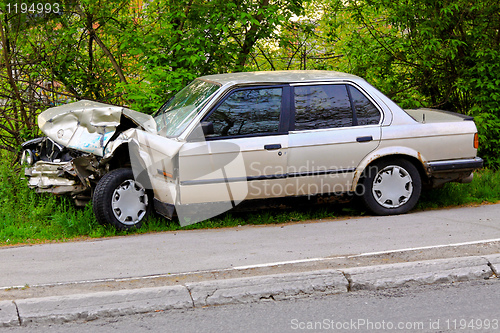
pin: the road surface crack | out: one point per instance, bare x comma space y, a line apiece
190, 295
347, 276
493, 269
267, 298
17, 311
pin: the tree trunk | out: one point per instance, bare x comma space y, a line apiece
250, 37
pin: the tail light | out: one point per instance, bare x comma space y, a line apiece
476, 141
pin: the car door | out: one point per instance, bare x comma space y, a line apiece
245, 152
333, 127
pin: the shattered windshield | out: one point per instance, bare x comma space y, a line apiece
173, 117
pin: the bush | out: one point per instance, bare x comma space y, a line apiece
29, 217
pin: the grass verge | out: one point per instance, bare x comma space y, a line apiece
30, 218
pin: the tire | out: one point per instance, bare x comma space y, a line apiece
121, 201
391, 187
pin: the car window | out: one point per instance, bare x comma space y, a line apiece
175, 115
248, 111
366, 112
322, 106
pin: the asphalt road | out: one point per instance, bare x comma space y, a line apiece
459, 307
188, 251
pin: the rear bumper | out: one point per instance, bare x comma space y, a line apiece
455, 165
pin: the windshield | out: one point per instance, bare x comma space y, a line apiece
173, 117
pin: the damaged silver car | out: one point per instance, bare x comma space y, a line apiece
232, 137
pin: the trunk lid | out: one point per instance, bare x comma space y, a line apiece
425, 115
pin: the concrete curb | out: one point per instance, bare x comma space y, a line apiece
8, 314
57, 309
494, 263
418, 273
274, 287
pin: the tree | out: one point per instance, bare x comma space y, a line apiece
441, 54
133, 52
195, 37
301, 42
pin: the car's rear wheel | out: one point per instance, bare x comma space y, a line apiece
121, 201
391, 187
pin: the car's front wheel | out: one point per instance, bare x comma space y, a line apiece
121, 201
391, 187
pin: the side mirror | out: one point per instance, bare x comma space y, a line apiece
207, 127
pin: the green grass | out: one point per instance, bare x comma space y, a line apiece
30, 218
485, 188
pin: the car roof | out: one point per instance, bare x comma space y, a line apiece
294, 76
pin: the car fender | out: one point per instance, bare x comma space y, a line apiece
152, 159
384, 152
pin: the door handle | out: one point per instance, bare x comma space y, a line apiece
272, 147
364, 138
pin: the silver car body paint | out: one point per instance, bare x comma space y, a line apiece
182, 172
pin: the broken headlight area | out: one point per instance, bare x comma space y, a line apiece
45, 149
59, 170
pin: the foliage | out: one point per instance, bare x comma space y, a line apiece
303, 42
128, 52
186, 39
442, 54
483, 189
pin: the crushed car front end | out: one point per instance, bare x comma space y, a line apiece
122, 160
59, 170
68, 160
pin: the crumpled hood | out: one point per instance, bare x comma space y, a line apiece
88, 126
